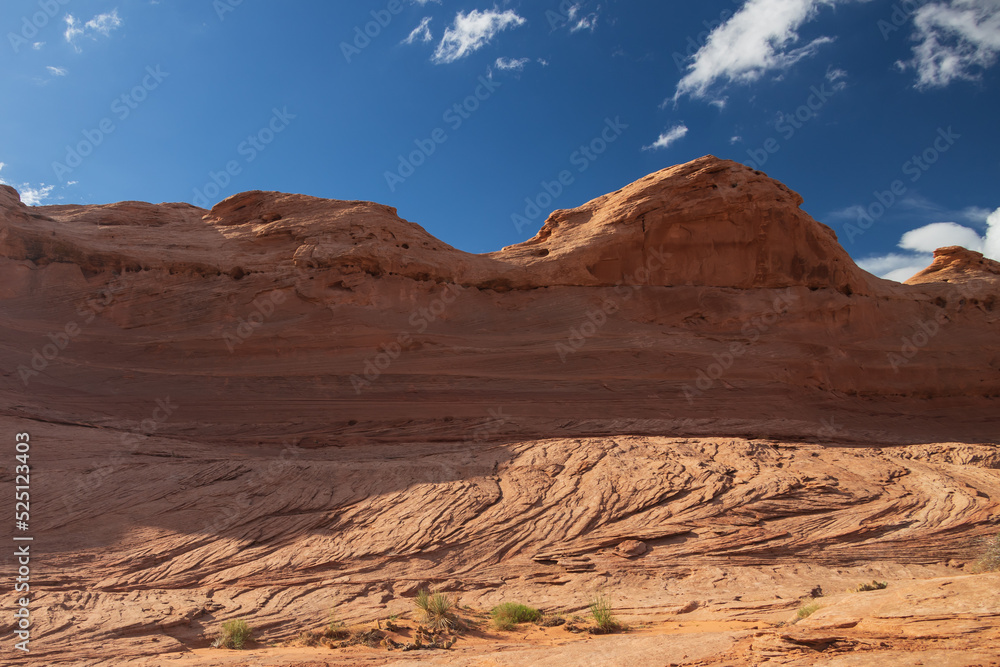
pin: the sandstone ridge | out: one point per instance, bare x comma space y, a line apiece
712, 222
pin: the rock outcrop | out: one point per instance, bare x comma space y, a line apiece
684, 393
955, 264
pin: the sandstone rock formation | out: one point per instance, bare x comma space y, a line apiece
288, 403
956, 264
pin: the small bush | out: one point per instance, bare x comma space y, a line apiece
235, 634
874, 586
807, 610
507, 615
437, 610
600, 609
990, 560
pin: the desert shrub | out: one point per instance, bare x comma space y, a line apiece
235, 634
990, 560
437, 609
507, 615
600, 609
551, 620
807, 610
873, 586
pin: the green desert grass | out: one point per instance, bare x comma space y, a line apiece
235, 634
604, 617
505, 616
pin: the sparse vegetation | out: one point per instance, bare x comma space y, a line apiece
600, 609
990, 560
507, 615
873, 586
551, 620
336, 628
235, 634
807, 610
437, 609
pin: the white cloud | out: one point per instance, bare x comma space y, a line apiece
422, 33
512, 63
37, 45
754, 41
29, 195
35, 196
472, 31
938, 235
957, 38
670, 136
101, 24
104, 23
57, 71
837, 77
991, 242
543, 62
976, 213
73, 29
895, 266
424, 2
735, 139
833, 75
588, 22
923, 241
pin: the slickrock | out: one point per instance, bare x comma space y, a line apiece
684, 395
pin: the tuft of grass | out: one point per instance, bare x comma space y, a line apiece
235, 634
990, 560
808, 610
507, 615
336, 629
874, 586
604, 617
437, 609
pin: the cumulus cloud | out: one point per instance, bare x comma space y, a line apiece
512, 63
895, 266
470, 32
667, 138
101, 24
422, 33
29, 195
57, 71
35, 196
923, 241
757, 39
938, 235
991, 242
956, 40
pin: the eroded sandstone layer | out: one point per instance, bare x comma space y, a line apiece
288, 403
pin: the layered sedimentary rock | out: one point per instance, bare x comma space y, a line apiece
685, 392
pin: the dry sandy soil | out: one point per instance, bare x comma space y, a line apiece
287, 405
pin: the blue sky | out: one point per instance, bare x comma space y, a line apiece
464, 114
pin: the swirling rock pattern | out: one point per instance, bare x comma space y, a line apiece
288, 404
